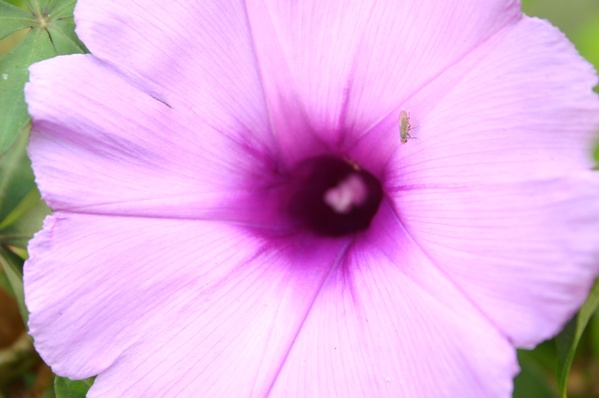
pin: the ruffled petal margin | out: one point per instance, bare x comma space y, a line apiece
172, 307
158, 307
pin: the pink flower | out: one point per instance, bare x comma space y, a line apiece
235, 214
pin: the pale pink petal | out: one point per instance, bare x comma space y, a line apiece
327, 69
336, 67
220, 318
501, 121
211, 69
163, 306
487, 237
498, 190
118, 150
525, 254
197, 56
389, 324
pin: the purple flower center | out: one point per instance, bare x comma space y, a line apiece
334, 197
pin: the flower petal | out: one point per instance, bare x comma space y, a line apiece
502, 121
349, 64
169, 307
119, 150
525, 254
508, 210
389, 324
185, 52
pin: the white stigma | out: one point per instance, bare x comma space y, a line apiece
349, 193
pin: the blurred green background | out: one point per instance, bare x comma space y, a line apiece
23, 374
578, 19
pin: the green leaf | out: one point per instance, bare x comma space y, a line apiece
16, 177
21, 208
64, 39
60, 9
28, 201
24, 221
532, 382
51, 34
67, 388
12, 266
4, 282
568, 339
36, 46
13, 19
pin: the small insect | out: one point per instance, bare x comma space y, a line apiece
404, 127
